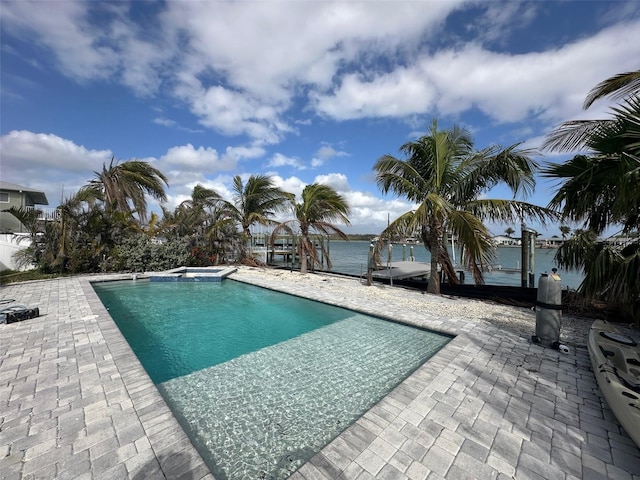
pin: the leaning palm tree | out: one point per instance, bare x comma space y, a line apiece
599, 188
444, 176
256, 202
123, 187
321, 206
194, 212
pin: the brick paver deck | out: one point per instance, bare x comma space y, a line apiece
76, 403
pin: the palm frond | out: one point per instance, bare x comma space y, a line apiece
511, 211
616, 87
475, 238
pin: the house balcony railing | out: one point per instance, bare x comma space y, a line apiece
46, 213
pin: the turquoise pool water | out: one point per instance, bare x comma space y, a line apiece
178, 329
264, 412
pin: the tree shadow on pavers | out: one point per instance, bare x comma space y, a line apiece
173, 466
553, 398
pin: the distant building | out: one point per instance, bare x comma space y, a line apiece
504, 241
553, 242
12, 195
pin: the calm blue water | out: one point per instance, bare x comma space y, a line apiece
176, 328
351, 257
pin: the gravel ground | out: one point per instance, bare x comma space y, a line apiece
522, 321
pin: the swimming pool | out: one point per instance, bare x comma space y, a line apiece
268, 403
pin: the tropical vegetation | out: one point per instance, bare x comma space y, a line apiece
598, 188
256, 202
106, 226
320, 208
445, 177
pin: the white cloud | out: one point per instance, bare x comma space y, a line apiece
201, 159
48, 162
234, 112
369, 213
85, 50
266, 50
338, 181
241, 66
291, 184
507, 88
279, 160
396, 94
61, 26
236, 154
24, 150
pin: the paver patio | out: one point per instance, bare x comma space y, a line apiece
76, 403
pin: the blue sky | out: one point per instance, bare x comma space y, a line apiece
305, 91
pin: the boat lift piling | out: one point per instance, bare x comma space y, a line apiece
528, 256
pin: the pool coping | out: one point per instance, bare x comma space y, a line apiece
488, 405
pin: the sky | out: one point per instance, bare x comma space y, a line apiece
303, 91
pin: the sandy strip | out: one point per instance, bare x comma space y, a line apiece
522, 321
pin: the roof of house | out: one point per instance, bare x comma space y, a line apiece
37, 197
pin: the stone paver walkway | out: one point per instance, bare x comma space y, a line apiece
76, 403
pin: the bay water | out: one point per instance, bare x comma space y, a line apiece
351, 257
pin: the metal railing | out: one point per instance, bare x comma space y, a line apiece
46, 213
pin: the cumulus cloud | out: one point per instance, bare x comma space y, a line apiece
203, 160
48, 162
241, 67
35, 151
506, 87
87, 49
338, 181
279, 160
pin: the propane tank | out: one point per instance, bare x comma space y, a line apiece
548, 310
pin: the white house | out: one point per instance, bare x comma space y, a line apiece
14, 235
504, 241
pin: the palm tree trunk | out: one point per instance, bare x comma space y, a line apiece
431, 239
303, 254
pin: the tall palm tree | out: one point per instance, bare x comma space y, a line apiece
599, 188
123, 186
564, 231
256, 202
444, 176
509, 231
321, 206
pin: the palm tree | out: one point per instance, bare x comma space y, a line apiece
321, 206
194, 213
509, 231
444, 176
599, 188
207, 220
123, 187
256, 202
564, 231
